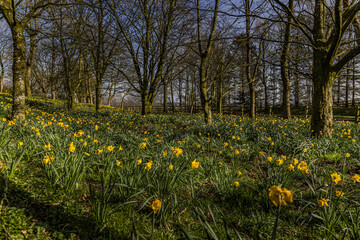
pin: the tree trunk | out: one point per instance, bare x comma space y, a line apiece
347, 88
146, 105
29, 65
165, 107
297, 87
252, 100
220, 107
172, 97
248, 61
266, 97
98, 93
18, 68
322, 106
1, 75
205, 102
52, 73
208, 113
353, 85
284, 65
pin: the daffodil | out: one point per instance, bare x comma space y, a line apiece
335, 177
339, 193
47, 147
279, 196
110, 148
195, 164
148, 165
72, 147
46, 160
155, 205
356, 178
323, 202
291, 167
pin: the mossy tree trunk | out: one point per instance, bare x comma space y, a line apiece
18, 69
328, 58
30, 59
1, 75
322, 107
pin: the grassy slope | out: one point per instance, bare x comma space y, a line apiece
40, 206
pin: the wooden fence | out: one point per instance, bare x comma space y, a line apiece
243, 110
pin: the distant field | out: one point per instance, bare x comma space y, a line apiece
118, 175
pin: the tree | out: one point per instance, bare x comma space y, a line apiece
103, 46
145, 27
284, 62
18, 14
326, 38
204, 53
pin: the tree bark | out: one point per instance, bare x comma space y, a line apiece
165, 107
29, 64
18, 68
347, 88
248, 61
322, 107
353, 84
285, 64
1, 75
146, 105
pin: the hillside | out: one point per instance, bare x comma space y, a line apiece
118, 175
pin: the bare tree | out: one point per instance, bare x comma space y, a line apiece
18, 14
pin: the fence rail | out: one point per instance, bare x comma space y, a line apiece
243, 110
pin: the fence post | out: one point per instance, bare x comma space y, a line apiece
306, 111
270, 111
357, 113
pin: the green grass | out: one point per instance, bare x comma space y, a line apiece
95, 192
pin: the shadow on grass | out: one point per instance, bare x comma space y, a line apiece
55, 217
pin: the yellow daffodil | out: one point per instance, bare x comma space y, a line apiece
148, 165
279, 196
291, 167
323, 202
356, 178
194, 164
72, 147
155, 205
110, 148
142, 145
335, 177
339, 193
